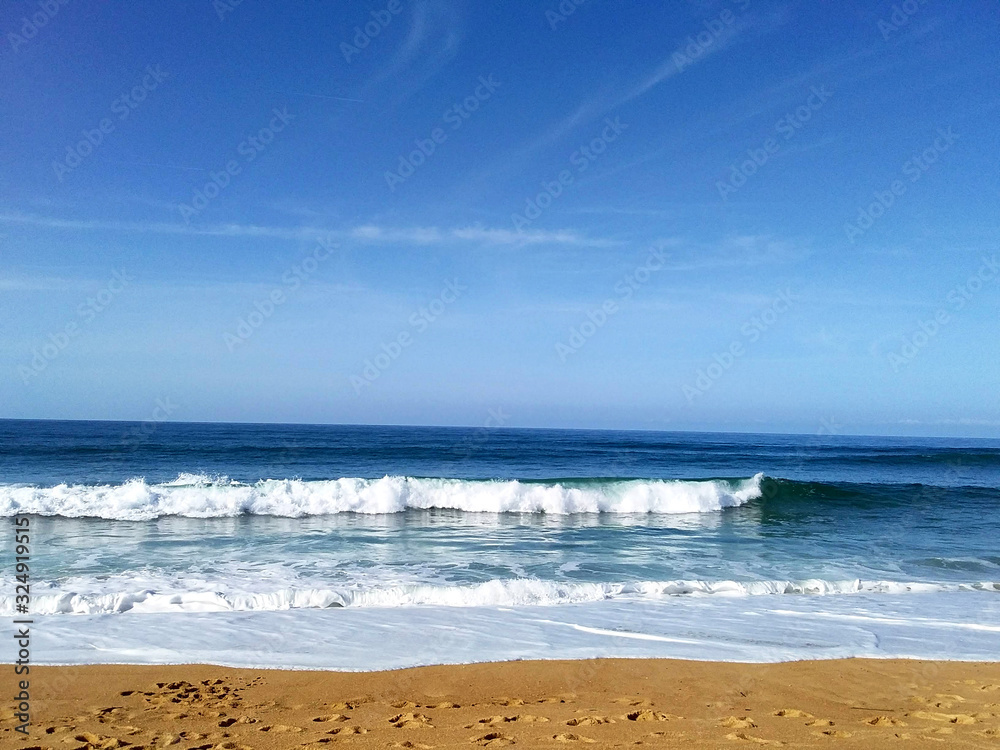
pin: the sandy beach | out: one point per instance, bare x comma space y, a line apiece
600, 703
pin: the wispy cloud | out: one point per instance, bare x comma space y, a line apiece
366, 233
733, 251
475, 234
158, 227
432, 41
412, 235
610, 97
325, 96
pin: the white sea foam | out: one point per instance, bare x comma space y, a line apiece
941, 625
207, 497
524, 592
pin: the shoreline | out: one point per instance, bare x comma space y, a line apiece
599, 702
39, 665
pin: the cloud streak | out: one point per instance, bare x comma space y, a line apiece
365, 233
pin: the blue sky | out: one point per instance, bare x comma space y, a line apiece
740, 215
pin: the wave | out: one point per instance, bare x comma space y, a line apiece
495, 593
200, 496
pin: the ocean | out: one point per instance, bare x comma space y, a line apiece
359, 548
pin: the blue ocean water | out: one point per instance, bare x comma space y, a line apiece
150, 529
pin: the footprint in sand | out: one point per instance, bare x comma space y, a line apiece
280, 728
634, 702
589, 721
572, 738
647, 715
446, 704
345, 705
735, 722
509, 702
348, 730
948, 718
885, 721
949, 697
836, 734
208, 694
331, 717
166, 739
793, 713
100, 741
412, 744
494, 720
403, 704
59, 729
489, 720
493, 739
109, 714
410, 721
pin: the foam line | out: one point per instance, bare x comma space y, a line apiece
207, 497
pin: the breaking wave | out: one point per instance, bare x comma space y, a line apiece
199, 496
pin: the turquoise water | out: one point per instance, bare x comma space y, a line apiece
189, 520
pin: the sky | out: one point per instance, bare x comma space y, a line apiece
733, 215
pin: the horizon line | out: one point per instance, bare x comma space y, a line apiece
500, 428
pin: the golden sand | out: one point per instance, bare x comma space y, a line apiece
595, 703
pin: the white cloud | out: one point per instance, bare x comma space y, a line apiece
367, 233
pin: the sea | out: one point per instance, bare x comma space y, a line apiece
364, 548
